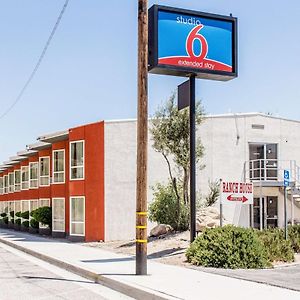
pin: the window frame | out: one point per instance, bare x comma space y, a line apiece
59, 172
6, 186
70, 161
24, 189
11, 187
29, 175
1, 185
44, 176
39, 205
19, 184
64, 219
76, 222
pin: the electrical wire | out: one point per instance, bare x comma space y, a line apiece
38, 62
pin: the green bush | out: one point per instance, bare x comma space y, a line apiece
34, 223
277, 247
18, 221
18, 214
25, 215
3, 215
12, 220
12, 213
5, 220
43, 215
25, 224
228, 247
294, 237
164, 208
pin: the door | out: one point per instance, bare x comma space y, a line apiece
263, 164
272, 212
268, 210
256, 212
256, 156
58, 214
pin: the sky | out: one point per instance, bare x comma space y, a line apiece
90, 70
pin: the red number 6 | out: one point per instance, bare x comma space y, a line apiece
194, 35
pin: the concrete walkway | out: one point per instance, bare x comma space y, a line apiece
117, 271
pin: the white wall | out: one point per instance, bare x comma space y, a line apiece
226, 140
120, 177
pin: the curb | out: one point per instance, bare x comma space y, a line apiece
128, 290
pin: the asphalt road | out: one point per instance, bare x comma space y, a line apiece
24, 277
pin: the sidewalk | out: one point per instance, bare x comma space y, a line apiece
118, 272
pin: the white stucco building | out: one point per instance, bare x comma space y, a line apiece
248, 146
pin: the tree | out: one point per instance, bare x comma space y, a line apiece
170, 133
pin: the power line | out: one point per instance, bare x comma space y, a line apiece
37, 64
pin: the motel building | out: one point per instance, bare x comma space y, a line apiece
87, 174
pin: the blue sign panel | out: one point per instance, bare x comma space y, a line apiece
182, 42
286, 175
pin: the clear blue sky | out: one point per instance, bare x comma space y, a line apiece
90, 70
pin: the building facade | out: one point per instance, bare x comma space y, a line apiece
87, 174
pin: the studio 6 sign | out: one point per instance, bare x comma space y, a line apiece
182, 42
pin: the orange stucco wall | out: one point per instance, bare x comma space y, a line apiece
92, 187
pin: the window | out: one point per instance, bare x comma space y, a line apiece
77, 216
33, 175
17, 180
24, 178
11, 182
44, 202
58, 214
11, 207
24, 207
5, 184
44, 171
34, 204
17, 206
77, 160
1, 186
58, 166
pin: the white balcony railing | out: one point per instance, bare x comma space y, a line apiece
271, 170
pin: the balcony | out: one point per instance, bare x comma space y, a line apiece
269, 172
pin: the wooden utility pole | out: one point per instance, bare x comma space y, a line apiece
142, 140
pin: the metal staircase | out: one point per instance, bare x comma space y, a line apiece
270, 173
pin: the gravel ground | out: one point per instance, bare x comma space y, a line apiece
169, 249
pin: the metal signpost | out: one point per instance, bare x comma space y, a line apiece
196, 45
286, 183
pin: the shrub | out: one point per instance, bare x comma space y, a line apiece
164, 208
18, 221
34, 223
5, 220
228, 247
12, 220
25, 224
3, 215
294, 237
25, 215
214, 192
18, 214
12, 213
43, 215
277, 247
